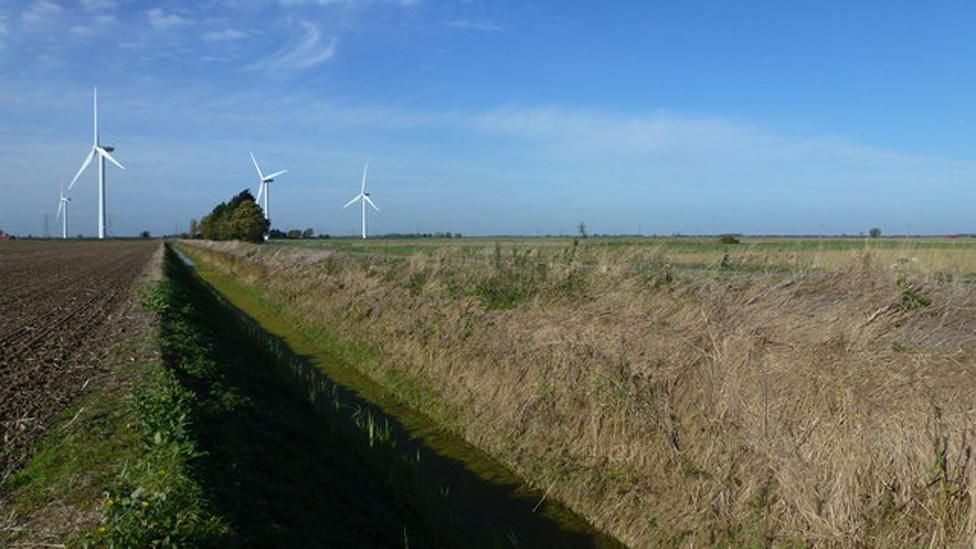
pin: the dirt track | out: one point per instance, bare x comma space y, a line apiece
61, 307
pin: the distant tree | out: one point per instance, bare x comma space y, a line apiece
581, 229
728, 239
294, 234
239, 219
308, 233
248, 222
874, 232
277, 234
144, 235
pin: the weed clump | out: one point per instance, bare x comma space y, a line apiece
911, 299
656, 273
512, 281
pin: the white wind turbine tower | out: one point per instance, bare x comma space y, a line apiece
102, 153
263, 181
63, 212
363, 196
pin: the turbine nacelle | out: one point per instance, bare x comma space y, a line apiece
271, 178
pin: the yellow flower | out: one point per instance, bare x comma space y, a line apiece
145, 504
101, 529
110, 503
162, 472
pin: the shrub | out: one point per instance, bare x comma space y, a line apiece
728, 239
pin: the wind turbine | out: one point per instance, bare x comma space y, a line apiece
63, 212
263, 181
102, 153
363, 196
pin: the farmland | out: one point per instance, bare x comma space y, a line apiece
61, 306
578, 392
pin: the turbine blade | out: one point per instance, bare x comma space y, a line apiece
366, 197
353, 201
60, 209
256, 167
274, 175
95, 111
260, 191
105, 153
362, 189
88, 159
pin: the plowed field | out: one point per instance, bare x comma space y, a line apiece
62, 305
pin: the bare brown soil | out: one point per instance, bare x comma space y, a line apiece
61, 306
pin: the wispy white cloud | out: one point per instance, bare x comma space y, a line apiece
226, 35
475, 25
40, 11
600, 132
95, 5
161, 20
313, 49
98, 23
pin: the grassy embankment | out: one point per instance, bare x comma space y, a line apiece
809, 407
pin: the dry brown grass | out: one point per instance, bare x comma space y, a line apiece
812, 408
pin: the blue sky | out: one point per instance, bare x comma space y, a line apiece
497, 117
